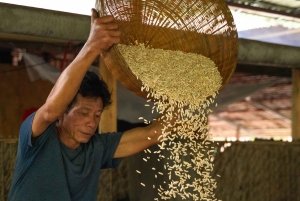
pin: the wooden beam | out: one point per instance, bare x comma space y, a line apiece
259, 53
39, 47
43, 24
29, 24
264, 70
108, 121
296, 105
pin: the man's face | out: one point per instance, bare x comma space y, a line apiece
79, 125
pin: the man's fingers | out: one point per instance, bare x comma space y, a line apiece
104, 32
115, 33
106, 19
112, 26
94, 15
116, 40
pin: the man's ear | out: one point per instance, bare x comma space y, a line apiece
61, 117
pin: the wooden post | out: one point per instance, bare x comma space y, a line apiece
108, 123
296, 105
238, 130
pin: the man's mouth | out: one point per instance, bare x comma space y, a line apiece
89, 134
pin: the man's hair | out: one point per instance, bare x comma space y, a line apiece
93, 86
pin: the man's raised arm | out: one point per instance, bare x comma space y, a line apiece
103, 34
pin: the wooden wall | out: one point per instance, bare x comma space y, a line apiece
17, 94
249, 171
258, 171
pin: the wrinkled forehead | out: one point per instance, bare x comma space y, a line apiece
88, 103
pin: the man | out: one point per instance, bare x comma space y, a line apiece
60, 154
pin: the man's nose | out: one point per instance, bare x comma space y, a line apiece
92, 122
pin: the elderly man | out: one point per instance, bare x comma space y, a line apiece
60, 153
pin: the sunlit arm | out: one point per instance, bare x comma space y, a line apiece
138, 139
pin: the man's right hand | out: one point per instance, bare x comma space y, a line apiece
103, 34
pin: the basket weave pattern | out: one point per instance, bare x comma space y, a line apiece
197, 26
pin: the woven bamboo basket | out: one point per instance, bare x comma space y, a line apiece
204, 27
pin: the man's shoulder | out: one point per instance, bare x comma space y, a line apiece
27, 124
104, 139
27, 142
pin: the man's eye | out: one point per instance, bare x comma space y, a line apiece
84, 114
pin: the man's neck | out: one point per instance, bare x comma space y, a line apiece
66, 139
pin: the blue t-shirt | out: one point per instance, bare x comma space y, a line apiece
50, 171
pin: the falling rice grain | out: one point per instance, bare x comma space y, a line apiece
198, 89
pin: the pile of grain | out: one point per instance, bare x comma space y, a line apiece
183, 85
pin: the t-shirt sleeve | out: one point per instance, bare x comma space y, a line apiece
111, 142
25, 137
